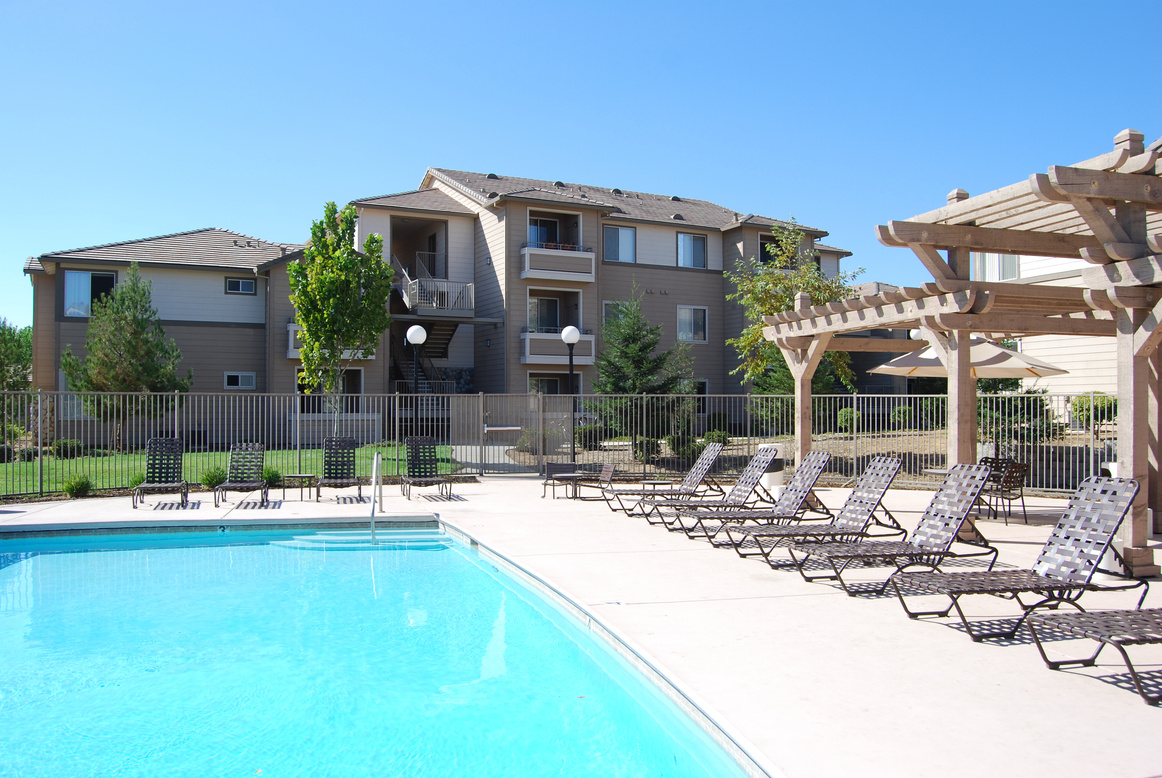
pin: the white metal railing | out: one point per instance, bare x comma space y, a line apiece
437, 294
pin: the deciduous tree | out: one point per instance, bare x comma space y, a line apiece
768, 285
340, 296
15, 356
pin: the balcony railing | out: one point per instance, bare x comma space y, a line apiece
554, 246
559, 261
547, 348
438, 295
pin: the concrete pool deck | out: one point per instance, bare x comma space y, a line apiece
817, 683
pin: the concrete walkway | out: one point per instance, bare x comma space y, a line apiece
817, 683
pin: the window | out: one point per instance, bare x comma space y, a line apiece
619, 244
241, 286
611, 309
691, 324
544, 385
995, 267
350, 383
543, 314
82, 288
238, 380
543, 231
701, 389
691, 250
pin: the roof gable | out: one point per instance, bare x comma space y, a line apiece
206, 248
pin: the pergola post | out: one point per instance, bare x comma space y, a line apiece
954, 350
1134, 429
802, 363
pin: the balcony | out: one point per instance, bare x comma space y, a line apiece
427, 295
293, 345
557, 261
547, 348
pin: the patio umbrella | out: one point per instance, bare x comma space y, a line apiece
988, 361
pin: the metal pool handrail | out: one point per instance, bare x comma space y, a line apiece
376, 489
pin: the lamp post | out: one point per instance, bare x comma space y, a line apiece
416, 335
570, 335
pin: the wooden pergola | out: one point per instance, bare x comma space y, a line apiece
1106, 211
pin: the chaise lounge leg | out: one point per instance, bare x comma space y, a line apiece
917, 614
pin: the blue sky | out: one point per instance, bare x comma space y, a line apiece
126, 120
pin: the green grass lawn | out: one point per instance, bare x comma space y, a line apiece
115, 472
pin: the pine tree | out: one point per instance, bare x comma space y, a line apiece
127, 352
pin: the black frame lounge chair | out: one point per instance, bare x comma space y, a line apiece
1063, 571
244, 472
423, 468
693, 485
163, 470
338, 466
1119, 629
796, 501
941, 526
850, 523
740, 495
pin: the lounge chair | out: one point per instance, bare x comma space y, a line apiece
601, 484
850, 523
1063, 571
793, 504
686, 515
1119, 629
338, 466
691, 486
423, 467
942, 525
163, 470
244, 472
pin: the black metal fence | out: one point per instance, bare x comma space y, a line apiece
47, 438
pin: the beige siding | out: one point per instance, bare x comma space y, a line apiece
45, 335
1091, 361
663, 291
197, 295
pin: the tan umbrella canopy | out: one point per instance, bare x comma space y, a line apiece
988, 361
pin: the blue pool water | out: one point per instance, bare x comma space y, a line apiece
271, 656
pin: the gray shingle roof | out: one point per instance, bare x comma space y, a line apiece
206, 248
32, 265
630, 205
832, 250
417, 200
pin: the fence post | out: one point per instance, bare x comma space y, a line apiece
395, 432
643, 437
483, 435
298, 430
40, 440
540, 432
177, 430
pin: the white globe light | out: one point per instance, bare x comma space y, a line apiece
570, 334
416, 335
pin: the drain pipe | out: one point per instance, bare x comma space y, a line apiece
376, 489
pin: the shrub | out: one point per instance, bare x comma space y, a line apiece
1104, 408
213, 476
136, 479
717, 436
67, 448
78, 486
270, 476
847, 419
532, 443
684, 446
645, 449
28, 454
12, 431
7, 453
901, 417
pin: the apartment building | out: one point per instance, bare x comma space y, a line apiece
492, 267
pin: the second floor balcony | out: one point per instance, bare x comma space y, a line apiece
425, 294
557, 261
547, 348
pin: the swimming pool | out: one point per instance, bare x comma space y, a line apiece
284, 654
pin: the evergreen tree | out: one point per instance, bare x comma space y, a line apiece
127, 352
126, 345
340, 296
